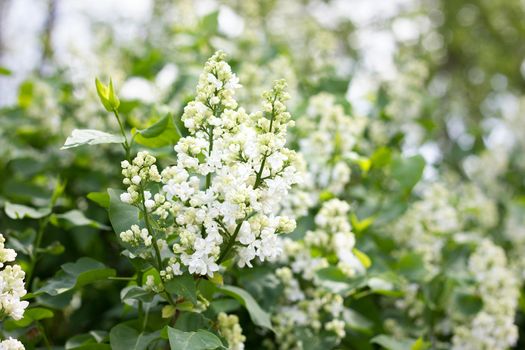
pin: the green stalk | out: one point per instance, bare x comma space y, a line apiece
127, 147
151, 232
36, 245
230, 243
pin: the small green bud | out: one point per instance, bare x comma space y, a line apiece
107, 95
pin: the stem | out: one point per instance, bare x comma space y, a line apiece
121, 278
230, 243
44, 336
34, 254
210, 148
126, 145
141, 305
151, 232
258, 178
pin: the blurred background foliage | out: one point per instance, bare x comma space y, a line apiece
445, 79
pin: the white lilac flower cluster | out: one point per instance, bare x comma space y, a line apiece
427, 224
314, 309
137, 237
492, 328
231, 330
441, 215
328, 137
463, 216
137, 175
11, 344
305, 302
332, 236
514, 232
11, 290
11, 284
231, 176
475, 208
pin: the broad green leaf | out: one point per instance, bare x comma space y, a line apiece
77, 218
92, 346
101, 198
163, 133
121, 215
75, 275
199, 340
381, 157
385, 284
93, 340
30, 316
356, 321
439, 292
420, 344
467, 304
224, 305
81, 137
184, 286
258, 315
333, 279
136, 293
18, 211
408, 171
124, 337
391, 343
412, 266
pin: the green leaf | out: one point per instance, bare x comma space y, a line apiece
107, 95
356, 321
30, 316
333, 279
92, 346
75, 275
112, 98
412, 266
124, 337
408, 171
101, 198
391, 343
58, 191
199, 340
163, 133
362, 257
258, 315
168, 311
81, 137
77, 218
121, 215
467, 304
184, 286
136, 293
360, 225
420, 344
381, 157
25, 94
5, 71
385, 284
19, 211
55, 248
